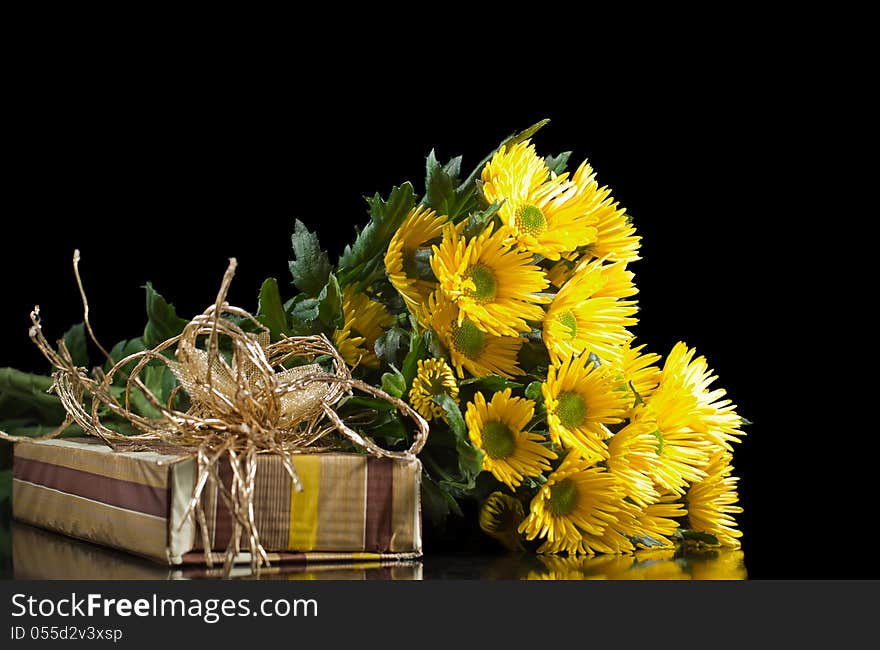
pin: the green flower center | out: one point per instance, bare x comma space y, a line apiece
498, 441
468, 339
659, 435
530, 219
569, 322
571, 410
484, 282
563, 497
435, 385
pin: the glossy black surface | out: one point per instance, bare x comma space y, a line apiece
41, 555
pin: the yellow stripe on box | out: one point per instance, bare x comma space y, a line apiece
304, 505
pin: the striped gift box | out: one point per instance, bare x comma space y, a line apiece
352, 507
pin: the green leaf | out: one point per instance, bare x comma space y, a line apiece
435, 347
558, 164
270, 311
310, 266
303, 314
645, 541
696, 536
439, 186
387, 346
362, 261
369, 403
393, 383
477, 220
453, 414
417, 348
437, 503
421, 260
330, 303
533, 391
75, 341
160, 381
120, 351
470, 461
162, 320
493, 383
24, 395
390, 428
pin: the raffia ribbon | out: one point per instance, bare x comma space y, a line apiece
240, 408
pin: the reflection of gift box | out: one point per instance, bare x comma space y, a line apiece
40, 555
352, 506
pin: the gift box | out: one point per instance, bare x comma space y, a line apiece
353, 507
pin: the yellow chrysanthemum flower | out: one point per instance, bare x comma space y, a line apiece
469, 347
493, 285
713, 415
681, 451
420, 227
545, 214
364, 320
616, 239
640, 370
711, 503
576, 499
692, 422
588, 316
434, 377
500, 517
497, 428
660, 520
632, 459
581, 400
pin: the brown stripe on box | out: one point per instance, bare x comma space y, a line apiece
223, 525
115, 492
272, 500
379, 504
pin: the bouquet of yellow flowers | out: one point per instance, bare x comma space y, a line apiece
499, 306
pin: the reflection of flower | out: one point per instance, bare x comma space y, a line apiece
494, 286
420, 227
497, 427
364, 322
469, 347
723, 565
581, 400
575, 498
712, 502
434, 378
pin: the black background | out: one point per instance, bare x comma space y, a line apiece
163, 177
